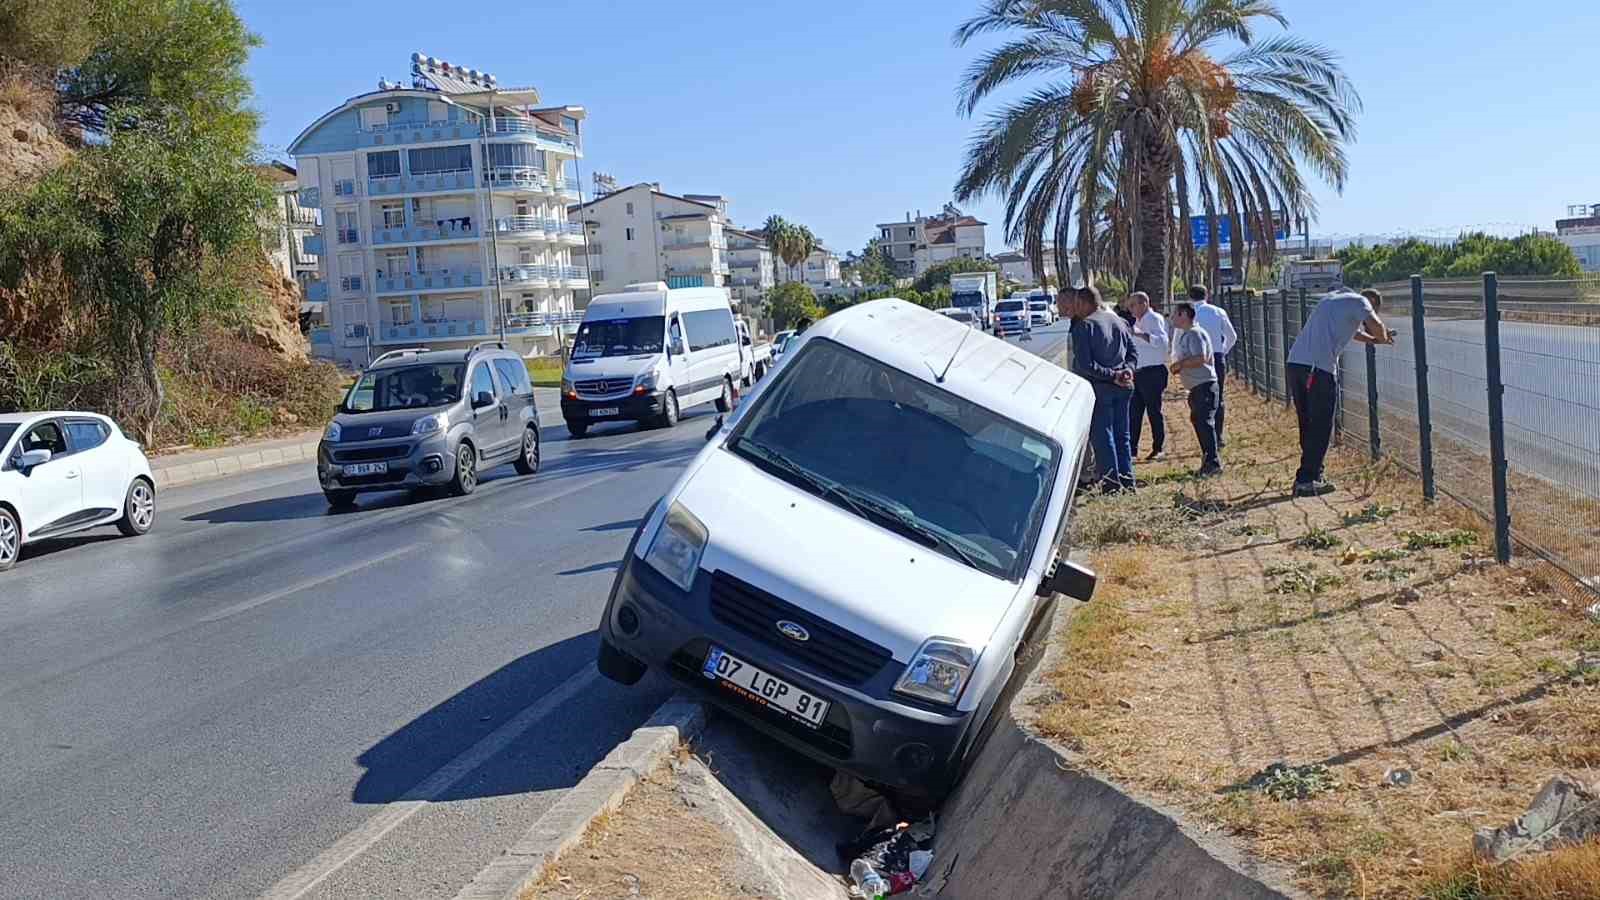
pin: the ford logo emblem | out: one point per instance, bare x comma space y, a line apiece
793, 631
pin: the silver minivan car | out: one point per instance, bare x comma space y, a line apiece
419, 418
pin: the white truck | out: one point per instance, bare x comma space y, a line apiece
977, 291
755, 357
1317, 276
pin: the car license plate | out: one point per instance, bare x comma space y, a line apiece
378, 468
753, 684
599, 411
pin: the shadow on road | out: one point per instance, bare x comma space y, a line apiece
624, 525
49, 546
399, 762
596, 567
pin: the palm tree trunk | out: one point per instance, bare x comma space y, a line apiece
1155, 219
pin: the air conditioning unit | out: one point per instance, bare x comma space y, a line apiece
393, 107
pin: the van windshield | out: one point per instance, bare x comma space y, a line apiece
406, 387
903, 454
1009, 306
619, 337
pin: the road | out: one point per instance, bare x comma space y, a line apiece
206, 711
264, 698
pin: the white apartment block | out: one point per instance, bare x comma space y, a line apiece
444, 214
918, 244
750, 261
641, 233
291, 224
819, 271
1014, 267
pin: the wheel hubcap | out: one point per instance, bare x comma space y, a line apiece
530, 449
144, 507
468, 466
8, 540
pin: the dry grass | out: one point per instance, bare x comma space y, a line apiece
32, 100
1384, 639
1570, 873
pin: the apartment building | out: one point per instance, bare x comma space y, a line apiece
1580, 230
819, 271
918, 244
289, 225
443, 210
641, 233
1014, 266
750, 261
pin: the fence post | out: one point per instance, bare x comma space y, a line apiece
1374, 434
1497, 421
1266, 342
1283, 300
1419, 345
1303, 310
1250, 342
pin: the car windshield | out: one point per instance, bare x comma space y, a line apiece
1010, 306
869, 438
619, 337
960, 315
1038, 304
406, 387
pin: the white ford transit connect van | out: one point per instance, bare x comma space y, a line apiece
859, 558
648, 353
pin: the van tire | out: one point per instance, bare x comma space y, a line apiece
725, 400
669, 410
618, 666
465, 480
528, 454
577, 429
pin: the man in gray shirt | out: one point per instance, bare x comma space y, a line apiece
1313, 370
1194, 362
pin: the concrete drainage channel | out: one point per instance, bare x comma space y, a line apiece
1027, 822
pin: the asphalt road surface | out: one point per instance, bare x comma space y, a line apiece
265, 698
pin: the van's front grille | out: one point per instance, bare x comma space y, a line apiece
370, 454
601, 387
831, 651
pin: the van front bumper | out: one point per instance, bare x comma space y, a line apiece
429, 461
868, 731
629, 408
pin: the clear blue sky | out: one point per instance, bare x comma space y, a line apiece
841, 115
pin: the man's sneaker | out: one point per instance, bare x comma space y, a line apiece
1313, 488
1209, 471
1156, 456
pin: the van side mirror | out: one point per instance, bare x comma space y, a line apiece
677, 346
483, 399
1071, 579
31, 458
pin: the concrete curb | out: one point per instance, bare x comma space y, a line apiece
247, 457
601, 791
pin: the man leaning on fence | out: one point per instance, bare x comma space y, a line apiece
1313, 372
1103, 354
1214, 319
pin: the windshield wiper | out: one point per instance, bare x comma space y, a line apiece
902, 521
763, 453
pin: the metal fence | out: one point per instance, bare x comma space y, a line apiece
1494, 403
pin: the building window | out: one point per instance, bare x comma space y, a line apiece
393, 214
354, 319
628, 232
386, 163
521, 155
434, 160
400, 313
438, 111
346, 226
630, 211
374, 117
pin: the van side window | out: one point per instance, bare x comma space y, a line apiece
675, 333
711, 328
482, 382
513, 376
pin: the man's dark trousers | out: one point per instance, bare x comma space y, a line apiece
1203, 408
1149, 383
1108, 434
1220, 361
1315, 400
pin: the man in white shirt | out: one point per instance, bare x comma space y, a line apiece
1151, 340
1214, 319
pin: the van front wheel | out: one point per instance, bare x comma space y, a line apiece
669, 410
725, 401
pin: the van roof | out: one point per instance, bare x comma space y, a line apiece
1002, 377
634, 303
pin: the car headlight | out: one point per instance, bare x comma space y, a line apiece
567, 389
429, 424
675, 550
938, 672
649, 380
333, 432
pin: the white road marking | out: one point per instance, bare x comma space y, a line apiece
307, 584
303, 880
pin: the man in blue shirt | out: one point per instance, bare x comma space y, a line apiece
1104, 354
1313, 370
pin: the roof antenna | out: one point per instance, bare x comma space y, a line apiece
939, 376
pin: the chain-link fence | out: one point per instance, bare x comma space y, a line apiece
1494, 402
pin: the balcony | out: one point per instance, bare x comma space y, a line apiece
575, 273
540, 324
443, 329
700, 243
541, 134
747, 281
533, 275
312, 245
745, 264
392, 185
522, 226
417, 133
446, 230
434, 280
311, 196
317, 292
518, 178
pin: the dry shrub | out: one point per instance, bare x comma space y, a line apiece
221, 386
1570, 873
32, 100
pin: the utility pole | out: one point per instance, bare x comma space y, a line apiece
494, 239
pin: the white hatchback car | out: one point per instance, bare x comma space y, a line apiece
865, 555
64, 472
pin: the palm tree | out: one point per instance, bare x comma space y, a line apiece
1141, 117
804, 243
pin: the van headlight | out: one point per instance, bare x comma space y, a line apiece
567, 389
938, 672
649, 380
332, 434
675, 550
429, 424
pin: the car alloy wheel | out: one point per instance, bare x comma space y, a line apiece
10, 540
466, 470
143, 512
528, 462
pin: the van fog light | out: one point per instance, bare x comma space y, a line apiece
628, 620
912, 758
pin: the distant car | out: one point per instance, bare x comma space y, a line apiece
64, 472
1012, 317
779, 342
959, 314
1041, 311
420, 418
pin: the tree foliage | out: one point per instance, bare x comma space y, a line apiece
1469, 255
873, 265
1139, 118
789, 242
791, 301
940, 274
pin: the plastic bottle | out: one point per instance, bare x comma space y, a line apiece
867, 880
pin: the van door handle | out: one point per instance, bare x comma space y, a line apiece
72, 473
